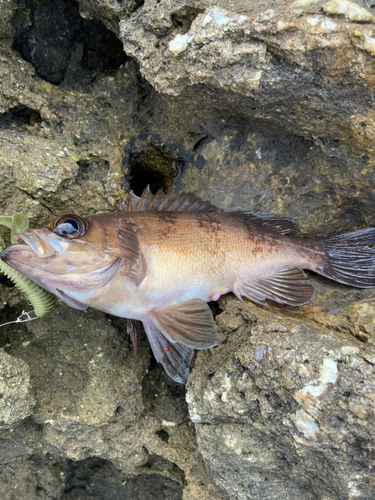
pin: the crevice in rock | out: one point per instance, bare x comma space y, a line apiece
153, 487
19, 118
157, 464
163, 396
204, 140
61, 45
150, 167
183, 18
95, 169
13, 334
163, 435
6, 282
215, 308
97, 479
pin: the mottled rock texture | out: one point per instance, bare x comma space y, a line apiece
251, 105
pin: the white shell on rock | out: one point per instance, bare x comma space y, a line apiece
351, 10
179, 43
365, 42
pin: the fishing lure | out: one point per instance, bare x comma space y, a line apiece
42, 301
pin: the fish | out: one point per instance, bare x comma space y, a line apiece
159, 260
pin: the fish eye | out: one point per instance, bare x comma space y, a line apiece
69, 226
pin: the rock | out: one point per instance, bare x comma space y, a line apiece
287, 399
16, 402
253, 106
297, 64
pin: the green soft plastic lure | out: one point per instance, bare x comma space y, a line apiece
42, 301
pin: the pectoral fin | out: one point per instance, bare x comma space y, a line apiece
189, 322
286, 286
175, 357
134, 263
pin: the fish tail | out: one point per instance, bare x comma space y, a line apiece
347, 258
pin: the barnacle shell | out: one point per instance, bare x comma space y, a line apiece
351, 10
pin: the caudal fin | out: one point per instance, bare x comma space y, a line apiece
348, 258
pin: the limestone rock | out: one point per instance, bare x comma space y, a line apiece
252, 106
16, 402
287, 399
297, 64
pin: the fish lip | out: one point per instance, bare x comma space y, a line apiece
30, 241
26, 244
3, 256
10, 253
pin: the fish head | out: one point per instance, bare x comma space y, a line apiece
71, 254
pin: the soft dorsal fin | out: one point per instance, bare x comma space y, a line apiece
269, 221
161, 202
134, 263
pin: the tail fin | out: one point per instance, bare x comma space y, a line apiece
348, 258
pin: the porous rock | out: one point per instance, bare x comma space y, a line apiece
250, 105
16, 402
290, 400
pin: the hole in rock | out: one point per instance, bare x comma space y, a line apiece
134, 5
163, 435
19, 117
94, 170
184, 17
150, 168
60, 44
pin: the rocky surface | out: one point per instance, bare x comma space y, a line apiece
262, 105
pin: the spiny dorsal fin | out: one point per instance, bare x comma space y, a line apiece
161, 202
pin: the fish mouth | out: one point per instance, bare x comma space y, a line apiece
42, 247
31, 243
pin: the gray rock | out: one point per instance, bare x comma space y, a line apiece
16, 402
251, 106
279, 402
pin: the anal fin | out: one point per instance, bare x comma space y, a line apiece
286, 286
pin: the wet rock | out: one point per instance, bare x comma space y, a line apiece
251, 106
279, 401
298, 64
16, 402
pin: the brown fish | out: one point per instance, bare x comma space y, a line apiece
161, 258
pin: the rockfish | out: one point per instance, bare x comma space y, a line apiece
162, 257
